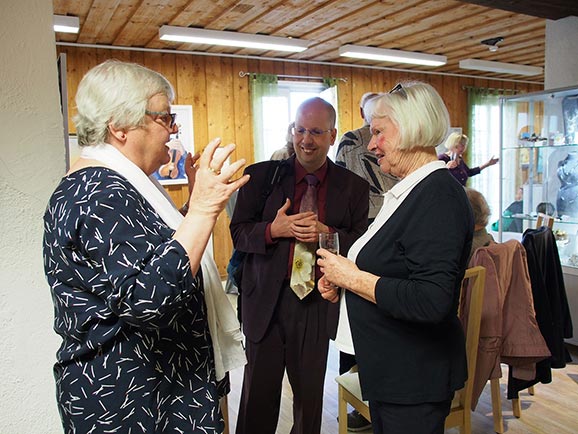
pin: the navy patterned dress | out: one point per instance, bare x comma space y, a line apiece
136, 355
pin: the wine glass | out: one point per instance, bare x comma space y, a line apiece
329, 241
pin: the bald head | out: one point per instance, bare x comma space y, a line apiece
314, 133
316, 105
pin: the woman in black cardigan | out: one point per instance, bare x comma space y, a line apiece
402, 277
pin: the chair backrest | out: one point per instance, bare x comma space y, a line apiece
474, 282
471, 297
544, 220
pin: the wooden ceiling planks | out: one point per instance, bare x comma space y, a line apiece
448, 27
340, 32
144, 22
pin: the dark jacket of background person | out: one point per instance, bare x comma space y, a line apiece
462, 172
550, 304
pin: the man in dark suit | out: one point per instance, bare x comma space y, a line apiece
284, 332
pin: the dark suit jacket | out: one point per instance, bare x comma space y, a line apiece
266, 266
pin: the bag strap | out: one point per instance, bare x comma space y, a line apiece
275, 172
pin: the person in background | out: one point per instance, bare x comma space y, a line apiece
402, 278
456, 145
136, 299
353, 154
287, 324
287, 150
482, 213
510, 222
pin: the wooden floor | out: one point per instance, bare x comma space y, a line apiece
552, 410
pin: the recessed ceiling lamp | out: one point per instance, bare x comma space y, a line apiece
500, 67
231, 39
394, 56
65, 24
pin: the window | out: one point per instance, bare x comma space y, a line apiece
276, 109
485, 144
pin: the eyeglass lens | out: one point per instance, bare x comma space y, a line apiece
301, 131
166, 118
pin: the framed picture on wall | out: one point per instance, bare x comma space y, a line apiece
179, 146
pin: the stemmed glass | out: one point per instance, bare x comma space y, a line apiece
329, 241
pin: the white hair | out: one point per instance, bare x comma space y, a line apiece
118, 93
454, 140
417, 110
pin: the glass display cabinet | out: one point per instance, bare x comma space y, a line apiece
539, 167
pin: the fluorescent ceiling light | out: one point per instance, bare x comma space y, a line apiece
395, 56
500, 67
231, 39
65, 24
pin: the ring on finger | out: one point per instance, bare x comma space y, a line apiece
216, 172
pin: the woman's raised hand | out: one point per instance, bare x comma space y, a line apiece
210, 179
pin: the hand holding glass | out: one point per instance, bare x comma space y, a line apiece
329, 241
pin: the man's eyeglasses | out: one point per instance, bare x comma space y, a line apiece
168, 119
399, 88
315, 132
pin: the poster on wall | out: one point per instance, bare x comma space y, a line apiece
179, 146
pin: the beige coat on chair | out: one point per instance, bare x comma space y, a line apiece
509, 332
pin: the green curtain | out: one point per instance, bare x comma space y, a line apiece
330, 82
261, 86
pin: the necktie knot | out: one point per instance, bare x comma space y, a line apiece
311, 179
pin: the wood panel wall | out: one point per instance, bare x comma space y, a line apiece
221, 100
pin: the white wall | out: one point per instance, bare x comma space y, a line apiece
561, 53
31, 162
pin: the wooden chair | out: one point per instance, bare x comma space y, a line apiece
544, 220
349, 390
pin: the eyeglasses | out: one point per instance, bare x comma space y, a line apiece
168, 119
315, 132
399, 88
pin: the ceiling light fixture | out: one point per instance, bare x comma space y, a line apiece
500, 67
394, 56
65, 24
231, 39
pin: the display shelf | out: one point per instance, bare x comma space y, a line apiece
539, 146
539, 166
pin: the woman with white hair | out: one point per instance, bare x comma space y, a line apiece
482, 214
456, 145
147, 331
402, 278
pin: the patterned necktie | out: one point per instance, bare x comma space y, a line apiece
303, 270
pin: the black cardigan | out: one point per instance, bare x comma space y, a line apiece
410, 346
